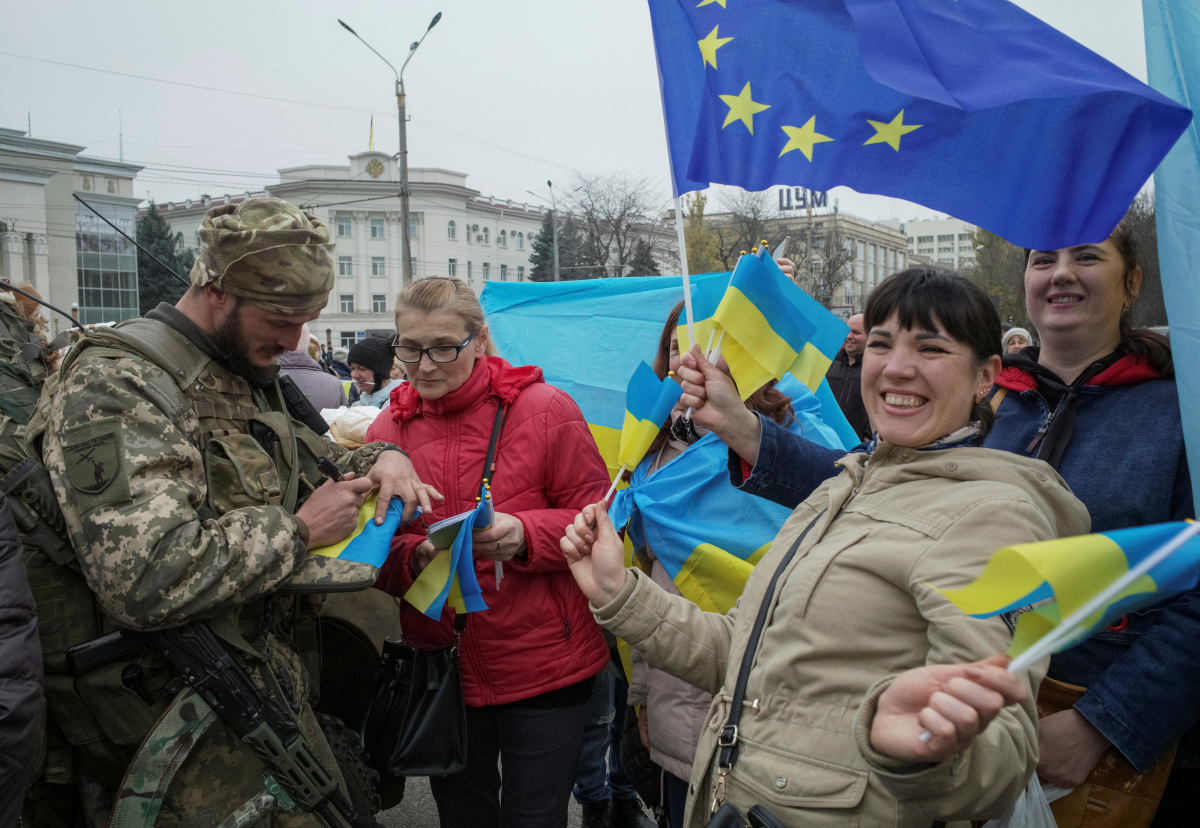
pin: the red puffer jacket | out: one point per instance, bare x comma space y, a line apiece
538, 634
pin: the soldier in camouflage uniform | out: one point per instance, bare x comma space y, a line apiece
190, 494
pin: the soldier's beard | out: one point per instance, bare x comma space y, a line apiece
232, 343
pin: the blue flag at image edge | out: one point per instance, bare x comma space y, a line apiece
1173, 61
976, 109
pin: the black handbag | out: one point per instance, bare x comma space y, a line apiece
416, 722
725, 815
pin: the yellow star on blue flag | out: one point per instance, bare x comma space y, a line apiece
1035, 107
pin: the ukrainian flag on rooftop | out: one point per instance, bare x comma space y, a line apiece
977, 109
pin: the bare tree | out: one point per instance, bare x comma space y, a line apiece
1000, 269
752, 218
824, 260
615, 214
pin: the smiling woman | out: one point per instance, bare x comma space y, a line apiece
858, 653
1098, 402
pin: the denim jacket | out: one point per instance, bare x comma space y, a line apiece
1126, 462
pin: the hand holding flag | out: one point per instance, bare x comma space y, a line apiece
369, 543
451, 574
1086, 582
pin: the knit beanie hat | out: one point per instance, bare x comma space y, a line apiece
1010, 333
375, 355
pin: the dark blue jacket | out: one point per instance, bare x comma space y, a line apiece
1124, 458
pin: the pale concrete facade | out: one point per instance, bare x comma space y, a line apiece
453, 230
56, 244
949, 242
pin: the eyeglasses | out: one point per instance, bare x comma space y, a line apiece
438, 353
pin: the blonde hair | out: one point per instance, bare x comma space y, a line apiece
440, 294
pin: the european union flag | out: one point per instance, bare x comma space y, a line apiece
977, 109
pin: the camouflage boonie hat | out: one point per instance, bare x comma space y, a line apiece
282, 255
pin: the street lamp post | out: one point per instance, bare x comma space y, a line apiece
402, 156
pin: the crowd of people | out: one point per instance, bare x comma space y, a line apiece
843, 688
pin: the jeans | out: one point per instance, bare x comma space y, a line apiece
538, 751
600, 777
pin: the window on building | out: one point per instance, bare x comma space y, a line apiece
345, 266
924, 239
377, 228
487, 269
346, 302
343, 225
503, 272
451, 231
485, 235
412, 265
964, 237
520, 273
378, 303
347, 339
470, 272
502, 239
452, 268
412, 227
520, 241
378, 266
948, 237
965, 248
106, 265
912, 240
945, 248
924, 251
945, 260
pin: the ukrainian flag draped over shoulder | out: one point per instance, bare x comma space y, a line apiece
958, 106
707, 534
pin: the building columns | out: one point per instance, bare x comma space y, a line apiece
395, 269
362, 264
12, 256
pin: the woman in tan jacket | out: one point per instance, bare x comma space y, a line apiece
860, 655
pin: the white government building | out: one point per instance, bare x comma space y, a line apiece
453, 231
48, 239
944, 241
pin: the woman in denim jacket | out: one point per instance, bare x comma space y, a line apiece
1098, 402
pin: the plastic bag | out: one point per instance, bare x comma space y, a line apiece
1032, 809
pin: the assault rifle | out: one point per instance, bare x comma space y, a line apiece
260, 722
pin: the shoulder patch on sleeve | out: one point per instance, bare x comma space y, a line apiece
92, 454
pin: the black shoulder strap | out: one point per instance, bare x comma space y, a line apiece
729, 734
489, 463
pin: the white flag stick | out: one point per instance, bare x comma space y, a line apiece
712, 355
613, 487
1047, 643
687, 285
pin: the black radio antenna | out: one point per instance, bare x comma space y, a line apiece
133, 241
7, 286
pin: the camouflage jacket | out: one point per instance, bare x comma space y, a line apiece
175, 511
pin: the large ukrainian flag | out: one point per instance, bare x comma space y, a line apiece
588, 337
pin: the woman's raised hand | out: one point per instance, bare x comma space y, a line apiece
953, 703
596, 555
717, 405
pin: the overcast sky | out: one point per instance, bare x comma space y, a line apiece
511, 93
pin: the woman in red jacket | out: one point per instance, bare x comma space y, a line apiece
529, 659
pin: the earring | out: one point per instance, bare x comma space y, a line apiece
1126, 308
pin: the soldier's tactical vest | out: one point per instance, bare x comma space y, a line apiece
254, 454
